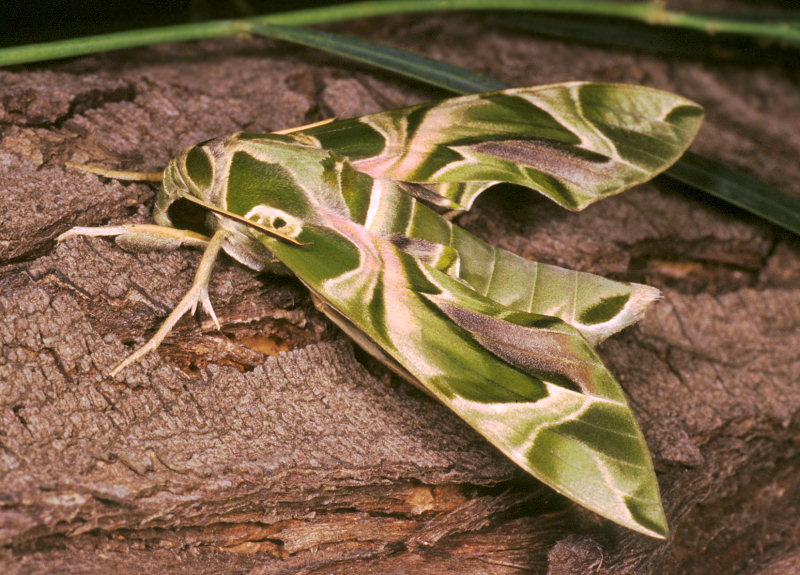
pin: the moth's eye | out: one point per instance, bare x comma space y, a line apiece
278, 223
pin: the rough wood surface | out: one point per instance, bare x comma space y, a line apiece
211, 456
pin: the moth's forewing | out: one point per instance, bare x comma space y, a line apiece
575, 142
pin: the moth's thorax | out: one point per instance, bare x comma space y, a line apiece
278, 181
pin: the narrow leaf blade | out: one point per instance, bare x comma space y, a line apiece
738, 189
407, 63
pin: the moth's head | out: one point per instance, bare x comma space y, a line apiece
238, 183
189, 174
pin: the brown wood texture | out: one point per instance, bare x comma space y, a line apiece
274, 446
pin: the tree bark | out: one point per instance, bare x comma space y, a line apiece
275, 446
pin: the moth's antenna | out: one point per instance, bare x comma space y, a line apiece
118, 174
305, 127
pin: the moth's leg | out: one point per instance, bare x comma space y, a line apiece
197, 293
142, 237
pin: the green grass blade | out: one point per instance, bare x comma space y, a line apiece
738, 189
116, 41
648, 12
402, 62
628, 34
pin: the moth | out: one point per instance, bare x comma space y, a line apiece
360, 211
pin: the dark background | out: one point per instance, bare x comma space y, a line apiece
24, 22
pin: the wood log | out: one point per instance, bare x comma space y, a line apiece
275, 445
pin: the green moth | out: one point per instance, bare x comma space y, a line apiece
359, 211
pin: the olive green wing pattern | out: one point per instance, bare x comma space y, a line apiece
598, 307
575, 142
